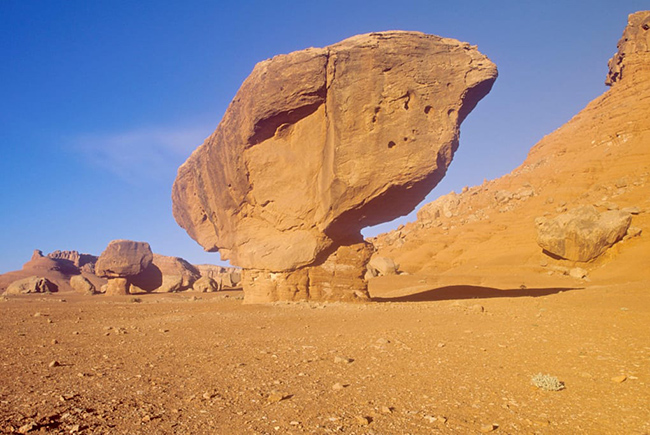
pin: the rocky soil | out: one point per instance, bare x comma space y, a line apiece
444, 361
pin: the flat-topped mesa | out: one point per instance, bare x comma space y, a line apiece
320, 143
632, 61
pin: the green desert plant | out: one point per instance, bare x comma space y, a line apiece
547, 382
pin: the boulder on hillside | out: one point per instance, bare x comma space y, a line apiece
320, 143
120, 260
583, 233
32, 284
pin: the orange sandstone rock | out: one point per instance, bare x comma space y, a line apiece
320, 143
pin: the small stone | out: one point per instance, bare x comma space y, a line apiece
294, 423
208, 396
363, 421
386, 410
342, 360
489, 428
338, 386
37, 314
619, 379
54, 341
163, 330
578, 273
633, 232
441, 345
476, 308
75, 333
382, 341
27, 427
54, 363
146, 418
275, 397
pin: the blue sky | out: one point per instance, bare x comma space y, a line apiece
101, 101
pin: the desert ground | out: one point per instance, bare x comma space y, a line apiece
444, 360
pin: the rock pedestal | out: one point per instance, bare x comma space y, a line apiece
339, 278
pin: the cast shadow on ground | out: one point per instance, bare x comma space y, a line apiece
472, 292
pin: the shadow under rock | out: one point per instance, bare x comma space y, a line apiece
472, 292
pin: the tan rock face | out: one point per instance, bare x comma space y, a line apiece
320, 143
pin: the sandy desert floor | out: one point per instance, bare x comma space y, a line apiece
451, 360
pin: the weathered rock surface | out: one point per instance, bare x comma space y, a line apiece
33, 284
82, 285
320, 143
486, 235
583, 233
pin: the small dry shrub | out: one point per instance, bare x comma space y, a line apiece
547, 382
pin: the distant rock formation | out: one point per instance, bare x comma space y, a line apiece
121, 261
320, 143
77, 259
599, 159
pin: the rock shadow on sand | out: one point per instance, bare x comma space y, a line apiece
473, 292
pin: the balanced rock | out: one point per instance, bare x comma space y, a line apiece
120, 260
583, 233
33, 284
320, 143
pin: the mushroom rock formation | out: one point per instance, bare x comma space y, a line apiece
320, 143
121, 260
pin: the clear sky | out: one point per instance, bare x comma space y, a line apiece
102, 100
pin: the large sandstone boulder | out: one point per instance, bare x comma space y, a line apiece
121, 260
582, 234
166, 274
320, 143
33, 284
82, 285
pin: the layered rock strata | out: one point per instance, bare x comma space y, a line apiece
320, 143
